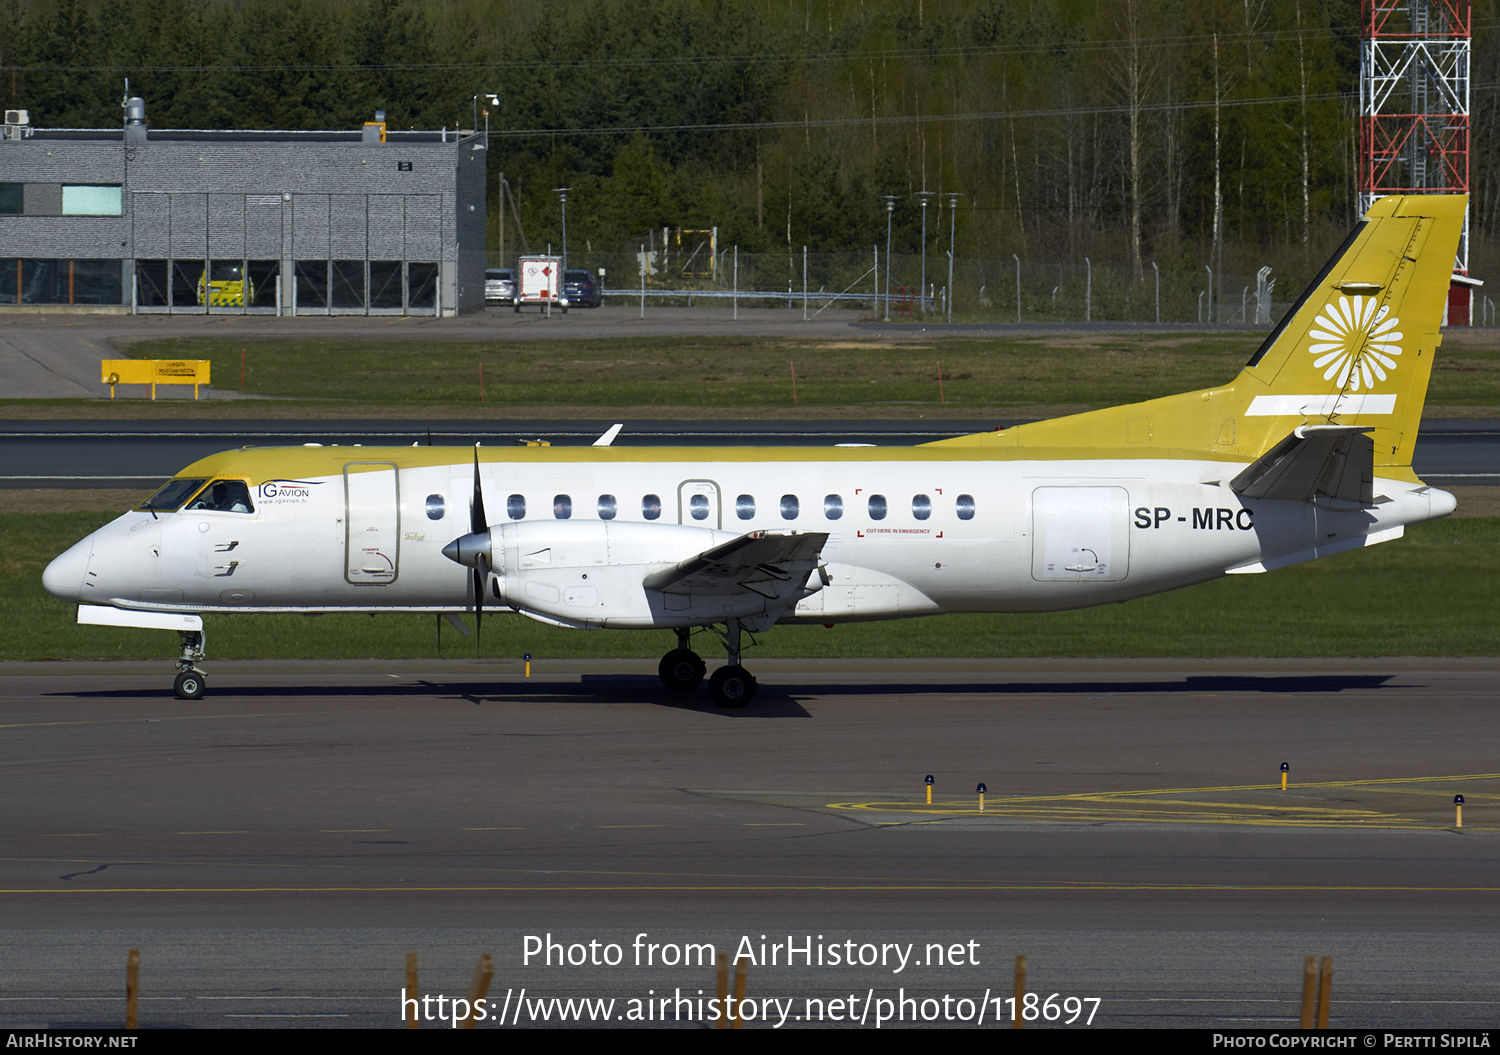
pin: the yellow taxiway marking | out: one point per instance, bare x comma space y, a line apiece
1264, 804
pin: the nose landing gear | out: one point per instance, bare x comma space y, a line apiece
190, 681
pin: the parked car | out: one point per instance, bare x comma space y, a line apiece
499, 285
581, 289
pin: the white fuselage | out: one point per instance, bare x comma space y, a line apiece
955, 536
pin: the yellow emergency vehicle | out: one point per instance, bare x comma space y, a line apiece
225, 286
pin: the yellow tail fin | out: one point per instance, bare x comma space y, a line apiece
1356, 349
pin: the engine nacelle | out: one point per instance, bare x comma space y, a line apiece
590, 574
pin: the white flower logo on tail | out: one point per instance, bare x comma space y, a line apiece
1359, 342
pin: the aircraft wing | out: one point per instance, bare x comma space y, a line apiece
1333, 460
774, 565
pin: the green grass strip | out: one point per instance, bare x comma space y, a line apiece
747, 372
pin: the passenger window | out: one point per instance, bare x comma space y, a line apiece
877, 507
744, 507
515, 507
224, 496
606, 507
833, 506
562, 507
788, 507
698, 507
434, 507
921, 507
651, 507
966, 507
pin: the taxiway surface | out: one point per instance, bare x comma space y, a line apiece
276, 848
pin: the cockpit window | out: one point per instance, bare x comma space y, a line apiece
224, 496
171, 496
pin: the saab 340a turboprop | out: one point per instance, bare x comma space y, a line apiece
1306, 453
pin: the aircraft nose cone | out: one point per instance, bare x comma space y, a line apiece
64, 577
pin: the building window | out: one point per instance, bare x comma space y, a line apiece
264, 277
311, 290
90, 201
12, 198
24, 281
385, 285
421, 285
348, 280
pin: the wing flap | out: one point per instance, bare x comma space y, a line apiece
776, 566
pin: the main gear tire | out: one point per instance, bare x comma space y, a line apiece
682, 670
732, 687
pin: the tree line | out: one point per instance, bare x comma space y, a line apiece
1128, 131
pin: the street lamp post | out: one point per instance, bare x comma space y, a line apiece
562, 200
890, 207
924, 197
493, 100
952, 245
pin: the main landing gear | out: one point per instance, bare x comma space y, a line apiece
190, 681
682, 670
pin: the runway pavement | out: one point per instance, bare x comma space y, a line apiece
275, 849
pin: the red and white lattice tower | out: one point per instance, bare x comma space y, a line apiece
1414, 110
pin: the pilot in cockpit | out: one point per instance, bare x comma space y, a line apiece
224, 496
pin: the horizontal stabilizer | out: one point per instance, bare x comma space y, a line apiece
776, 566
1333, 460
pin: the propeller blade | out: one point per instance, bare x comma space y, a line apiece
477, 521
478, 583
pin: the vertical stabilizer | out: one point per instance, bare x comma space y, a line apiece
1357, 348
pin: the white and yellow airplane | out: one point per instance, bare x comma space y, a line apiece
1306, 453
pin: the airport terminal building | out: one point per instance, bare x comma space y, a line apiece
364, 222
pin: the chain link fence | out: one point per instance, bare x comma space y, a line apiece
907, 286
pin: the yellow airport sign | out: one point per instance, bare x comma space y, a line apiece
154, 372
